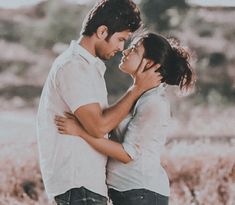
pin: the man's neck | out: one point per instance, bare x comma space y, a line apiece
88, 43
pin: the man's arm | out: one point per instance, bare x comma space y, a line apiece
98, 122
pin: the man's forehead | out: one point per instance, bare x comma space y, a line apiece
128, 36
124, 34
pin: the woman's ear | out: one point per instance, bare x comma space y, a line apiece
149, 64
102, 32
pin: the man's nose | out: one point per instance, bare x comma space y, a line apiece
121, 46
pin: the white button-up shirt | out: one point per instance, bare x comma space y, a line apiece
75, 79
142, 133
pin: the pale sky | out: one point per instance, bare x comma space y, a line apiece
19, 3
214, 2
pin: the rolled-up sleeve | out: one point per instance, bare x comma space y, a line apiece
149, 123
74, 85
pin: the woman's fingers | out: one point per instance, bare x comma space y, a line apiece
60, 128
62, 122
70, 115
60, 119
62, 132
59, 123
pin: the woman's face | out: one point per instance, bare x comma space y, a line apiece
132, 58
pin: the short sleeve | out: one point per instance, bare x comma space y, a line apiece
149, 123
74, 84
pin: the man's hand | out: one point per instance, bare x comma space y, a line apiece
145, 80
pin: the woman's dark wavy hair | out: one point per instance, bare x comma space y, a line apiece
174, 59
117, 15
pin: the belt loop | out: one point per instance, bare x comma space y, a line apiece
109, 199
69, 196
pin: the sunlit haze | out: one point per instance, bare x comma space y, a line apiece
21, 3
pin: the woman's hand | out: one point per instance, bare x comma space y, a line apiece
69, 125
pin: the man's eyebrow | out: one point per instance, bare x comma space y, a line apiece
126, 38
123, 38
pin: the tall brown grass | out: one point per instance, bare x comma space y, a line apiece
200, 174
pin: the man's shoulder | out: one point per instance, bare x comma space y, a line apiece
69, 61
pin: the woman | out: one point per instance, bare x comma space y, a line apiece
134, 173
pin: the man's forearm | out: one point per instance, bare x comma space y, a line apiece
113, 115
99, 122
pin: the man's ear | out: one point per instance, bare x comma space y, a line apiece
102, 32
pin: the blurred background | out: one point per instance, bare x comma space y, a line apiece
199, 155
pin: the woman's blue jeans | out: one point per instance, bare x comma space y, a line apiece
137, 197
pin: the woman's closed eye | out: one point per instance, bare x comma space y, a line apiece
133, 48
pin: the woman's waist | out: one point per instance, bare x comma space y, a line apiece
140, 167
155, 180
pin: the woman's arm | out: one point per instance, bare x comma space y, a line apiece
108, 147
71, 126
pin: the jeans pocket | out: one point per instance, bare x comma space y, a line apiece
99, 200
163, 200
96, 201
61, 201
94, 198
136, 196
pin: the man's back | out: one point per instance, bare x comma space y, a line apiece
76, 79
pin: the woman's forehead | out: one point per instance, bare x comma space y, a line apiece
139, 48
136, 42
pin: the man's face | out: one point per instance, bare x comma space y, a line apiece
106, 49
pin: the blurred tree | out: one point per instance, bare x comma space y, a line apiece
163, 14
64, 22
9, 31
58, 21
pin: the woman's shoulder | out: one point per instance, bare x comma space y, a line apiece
153, 101
154, 96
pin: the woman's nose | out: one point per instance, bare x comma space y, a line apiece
126, 52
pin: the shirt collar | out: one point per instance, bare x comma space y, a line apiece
79, 50
160, 89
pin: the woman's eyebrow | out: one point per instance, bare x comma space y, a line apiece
132, 46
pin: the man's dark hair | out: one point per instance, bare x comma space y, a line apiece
117, 15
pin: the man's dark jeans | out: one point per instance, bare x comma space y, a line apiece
137, 197
80, 196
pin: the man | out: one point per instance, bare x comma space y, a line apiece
72, 171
